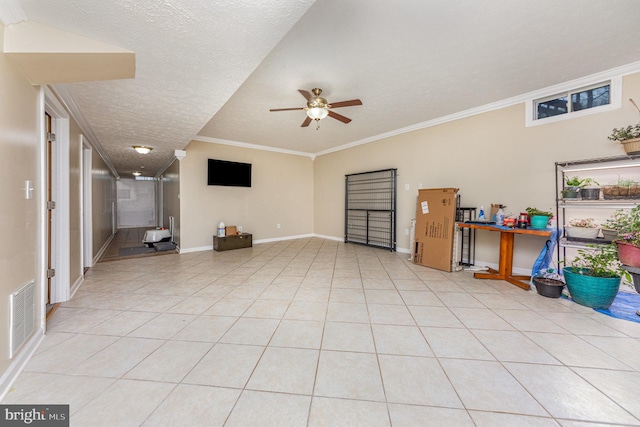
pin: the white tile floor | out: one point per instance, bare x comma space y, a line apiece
319, 333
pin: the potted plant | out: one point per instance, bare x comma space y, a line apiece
571, 187
590, 189
548, 283
582, 229
594, 277
629, 137
626, 224
539, 219
625, 188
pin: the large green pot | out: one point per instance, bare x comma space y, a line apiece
591, 291
539, 222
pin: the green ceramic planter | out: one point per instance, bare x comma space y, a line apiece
590, 291
539, 222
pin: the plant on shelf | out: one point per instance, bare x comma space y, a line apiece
625, 188
589, 182
539, 219
571, 187
627, 226
573, 182
625, 134
584, 223
590, 189
586, 228
628, 136
624, 221
594, 277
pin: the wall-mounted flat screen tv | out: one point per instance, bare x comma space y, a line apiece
230, 174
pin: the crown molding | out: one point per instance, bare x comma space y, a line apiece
252, 146
64, 94
551, 90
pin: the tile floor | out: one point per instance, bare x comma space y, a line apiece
313, 332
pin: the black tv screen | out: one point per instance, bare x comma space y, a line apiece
230, 174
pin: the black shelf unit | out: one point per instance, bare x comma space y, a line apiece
467, 253
370, 208
582, 167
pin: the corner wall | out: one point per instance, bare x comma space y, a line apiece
20, 154
171, 198
491, 157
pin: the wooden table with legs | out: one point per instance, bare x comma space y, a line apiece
505, 264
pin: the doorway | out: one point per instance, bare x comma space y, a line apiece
56, 171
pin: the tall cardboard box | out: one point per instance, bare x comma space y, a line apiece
435, 228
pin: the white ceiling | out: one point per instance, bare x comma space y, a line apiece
215, 68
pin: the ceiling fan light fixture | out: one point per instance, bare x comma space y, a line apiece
317, 113
142, 149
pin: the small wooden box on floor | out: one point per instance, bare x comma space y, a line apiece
237, 241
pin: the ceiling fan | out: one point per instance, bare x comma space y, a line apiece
318, 108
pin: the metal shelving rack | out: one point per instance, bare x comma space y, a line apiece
370, 208
585, 167
467, 253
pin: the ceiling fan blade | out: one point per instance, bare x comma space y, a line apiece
306, 122
286, 109
340, 117
349, 103
305, 93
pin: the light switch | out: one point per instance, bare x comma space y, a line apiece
406, 187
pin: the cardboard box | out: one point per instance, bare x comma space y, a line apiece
435, 228
231, 230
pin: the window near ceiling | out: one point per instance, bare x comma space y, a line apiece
597, 97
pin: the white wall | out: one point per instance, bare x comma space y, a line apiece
281, 193
136, 203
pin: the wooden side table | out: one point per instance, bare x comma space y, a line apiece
505, 264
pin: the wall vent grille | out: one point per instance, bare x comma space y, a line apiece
22, 316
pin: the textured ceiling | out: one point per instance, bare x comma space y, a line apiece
224, 64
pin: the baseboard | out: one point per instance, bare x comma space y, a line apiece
280, 239
19, 362
102, 250
323, 236
76, 286
197, 249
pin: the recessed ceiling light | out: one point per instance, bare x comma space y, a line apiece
142, 149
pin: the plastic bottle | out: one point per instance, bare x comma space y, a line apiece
481, 214
500, 216
221, 229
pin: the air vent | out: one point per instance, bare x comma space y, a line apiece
22, 316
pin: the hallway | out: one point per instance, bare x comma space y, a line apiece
313, 332
128, 238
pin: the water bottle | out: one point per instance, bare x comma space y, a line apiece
221, 229
500, 217
481, 215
